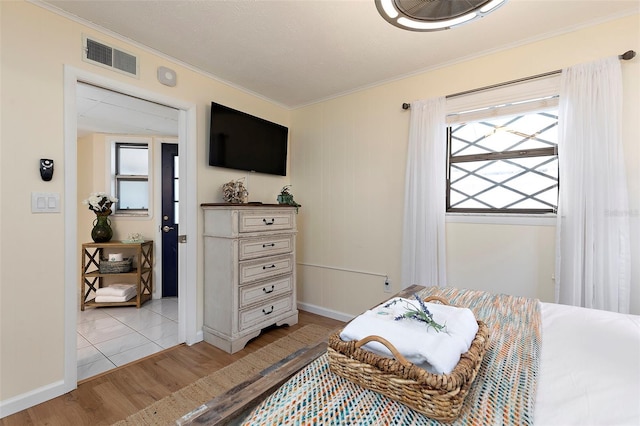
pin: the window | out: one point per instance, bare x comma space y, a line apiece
504, 165
176, 187
502, 149
131, 177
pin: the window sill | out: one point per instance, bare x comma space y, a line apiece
133, 215
547, 219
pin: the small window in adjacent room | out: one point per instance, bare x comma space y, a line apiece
504, 164
132, 178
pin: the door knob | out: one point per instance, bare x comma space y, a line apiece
167, 228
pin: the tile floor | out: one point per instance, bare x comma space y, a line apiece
111, 337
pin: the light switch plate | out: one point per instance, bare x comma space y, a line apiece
45, 202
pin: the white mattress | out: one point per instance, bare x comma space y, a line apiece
590, 368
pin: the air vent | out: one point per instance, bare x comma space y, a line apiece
107, 56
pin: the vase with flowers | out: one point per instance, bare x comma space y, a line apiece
100, 203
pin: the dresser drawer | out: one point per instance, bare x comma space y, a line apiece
260, 269
256, 293
260, 247
265, 312
266, 220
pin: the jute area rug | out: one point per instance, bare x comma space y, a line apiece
167, 410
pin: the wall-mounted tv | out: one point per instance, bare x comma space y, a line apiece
238, 140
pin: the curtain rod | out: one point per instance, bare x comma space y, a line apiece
629, 54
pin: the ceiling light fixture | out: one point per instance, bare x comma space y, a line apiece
434, 15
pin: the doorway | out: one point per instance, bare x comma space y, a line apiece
124, 132
187, 306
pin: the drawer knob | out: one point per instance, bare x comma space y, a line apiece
268, 223
267, 313
269, 245
268, 267
269, 291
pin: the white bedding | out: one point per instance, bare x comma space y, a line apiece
590, 368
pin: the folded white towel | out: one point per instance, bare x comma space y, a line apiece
111, 299
117, 290
436, 352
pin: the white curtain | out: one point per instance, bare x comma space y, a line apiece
423, 237
592, 251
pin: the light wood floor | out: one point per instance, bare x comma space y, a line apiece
105, 399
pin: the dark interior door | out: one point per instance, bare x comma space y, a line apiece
169, 220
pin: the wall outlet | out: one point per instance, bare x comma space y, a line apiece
387, 285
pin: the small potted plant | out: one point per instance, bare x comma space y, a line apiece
286, 197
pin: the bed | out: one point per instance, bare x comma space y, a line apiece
575, 366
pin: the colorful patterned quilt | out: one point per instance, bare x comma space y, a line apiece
502, 393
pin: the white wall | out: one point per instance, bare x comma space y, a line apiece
348, 173
36, 44
511, 259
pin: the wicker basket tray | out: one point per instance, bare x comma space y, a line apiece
115, 266
438, 396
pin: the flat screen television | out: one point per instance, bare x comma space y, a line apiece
241, 141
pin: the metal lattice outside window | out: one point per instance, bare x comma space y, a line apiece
504, 165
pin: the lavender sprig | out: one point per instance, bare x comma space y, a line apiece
391, 303
422, 315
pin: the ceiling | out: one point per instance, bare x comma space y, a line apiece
103, 111
297, 52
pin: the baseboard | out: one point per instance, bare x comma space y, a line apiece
31, 398
197, 338
329, 313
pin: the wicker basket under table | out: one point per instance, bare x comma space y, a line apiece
438, 396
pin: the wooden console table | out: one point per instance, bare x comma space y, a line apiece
141, 275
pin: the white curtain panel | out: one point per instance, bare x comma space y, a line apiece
592, 252
423, 237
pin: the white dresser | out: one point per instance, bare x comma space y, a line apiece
249, 271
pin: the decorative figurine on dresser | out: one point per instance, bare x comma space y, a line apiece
249, 271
